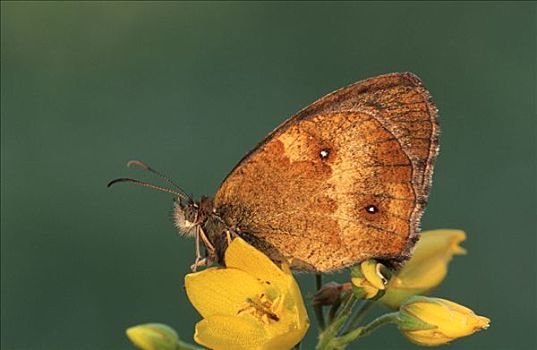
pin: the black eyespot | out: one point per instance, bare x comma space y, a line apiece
325, 152
371, 209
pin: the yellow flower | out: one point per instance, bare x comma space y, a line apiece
426, 268
367, 279
153, 336
249, 304
434, 321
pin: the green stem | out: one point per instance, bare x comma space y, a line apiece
345, 310
185, 346
329, 341
344, 340
343, 314
360, 314
319, 314
318, 281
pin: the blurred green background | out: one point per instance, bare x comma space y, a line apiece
191, 87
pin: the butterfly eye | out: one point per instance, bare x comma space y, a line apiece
371, 209
324, 153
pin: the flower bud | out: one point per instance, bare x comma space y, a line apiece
153, 336
367, 279
427, 267
434, 321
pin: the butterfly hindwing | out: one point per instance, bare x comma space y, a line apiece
344, 180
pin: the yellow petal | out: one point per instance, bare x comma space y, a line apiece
439, 242
427, 338
372, 274
242, 256
451, 319
395, 296
287, 340
369, 291
153, 336
230, 333
139, 338
221, 291
473, 321
428, 265
295, 297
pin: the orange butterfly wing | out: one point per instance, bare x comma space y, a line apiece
344, 180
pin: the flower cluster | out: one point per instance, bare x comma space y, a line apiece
252, 303
424, 321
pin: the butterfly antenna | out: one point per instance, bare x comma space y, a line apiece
144, 166
146, 184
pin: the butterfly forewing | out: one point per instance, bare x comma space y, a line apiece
344, 180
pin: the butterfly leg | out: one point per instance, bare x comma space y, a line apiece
228, 236
198, 250
202, 262
208, 244
199, 262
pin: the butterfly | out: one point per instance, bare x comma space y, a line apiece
344, 180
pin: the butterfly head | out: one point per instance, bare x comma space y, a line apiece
189, 214
185, 216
